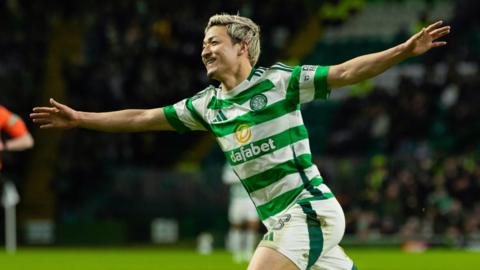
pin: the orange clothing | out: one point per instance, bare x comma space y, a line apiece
11, 124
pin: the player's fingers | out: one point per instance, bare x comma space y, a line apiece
58, 104
440, 32
45, 109
41, 121
434, 25
420, 34
441, 29
439, 44
47, 126
39, 115
55, 103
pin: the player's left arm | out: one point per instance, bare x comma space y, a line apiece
370, 65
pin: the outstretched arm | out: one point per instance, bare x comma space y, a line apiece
370, 65
62, 116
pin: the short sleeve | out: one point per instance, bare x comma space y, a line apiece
12, 124
310, 82
183, 117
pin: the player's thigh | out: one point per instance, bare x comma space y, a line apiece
307, 231
267, 258
332, 220
334, 259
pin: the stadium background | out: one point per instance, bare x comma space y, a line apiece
400, 151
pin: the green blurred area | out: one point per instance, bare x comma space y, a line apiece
176, 259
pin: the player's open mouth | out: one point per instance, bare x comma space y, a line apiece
210, 61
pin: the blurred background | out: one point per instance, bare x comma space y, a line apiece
400, 151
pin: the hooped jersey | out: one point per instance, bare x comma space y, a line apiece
259, 127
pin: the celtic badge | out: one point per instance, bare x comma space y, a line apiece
258, 102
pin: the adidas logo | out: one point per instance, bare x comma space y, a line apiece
219, 117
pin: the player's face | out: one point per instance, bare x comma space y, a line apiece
219, 55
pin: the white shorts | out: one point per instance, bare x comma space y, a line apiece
241, 210
308, 234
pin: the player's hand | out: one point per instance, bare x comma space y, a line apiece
58, 116
426, 39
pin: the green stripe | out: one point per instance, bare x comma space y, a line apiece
196, 115
258, 74
306, 182
278, 204
251, 74
254, 118
218, 104
260, 70
316, 181
268, 236
278, 141
222, 116
315, 234
173, 119
276, 173
241, 98
293, 92
321, 87
354, 267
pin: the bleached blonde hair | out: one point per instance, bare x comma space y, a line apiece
239, 29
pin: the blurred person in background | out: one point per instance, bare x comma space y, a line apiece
17, 136
255, 116
243, 218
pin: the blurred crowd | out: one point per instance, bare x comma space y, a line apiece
430, 199
419, 137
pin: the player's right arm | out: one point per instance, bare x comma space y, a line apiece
131, 120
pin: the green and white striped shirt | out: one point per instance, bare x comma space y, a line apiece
259, 127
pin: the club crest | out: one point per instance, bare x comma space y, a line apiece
258, 102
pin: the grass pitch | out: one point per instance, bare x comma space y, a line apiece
175, 259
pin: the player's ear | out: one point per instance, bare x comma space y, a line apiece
243, 48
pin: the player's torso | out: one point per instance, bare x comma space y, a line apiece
256, 126
261, 131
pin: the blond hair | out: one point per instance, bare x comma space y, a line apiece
240, 29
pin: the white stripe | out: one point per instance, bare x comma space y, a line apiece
306, 83
324, 189
264, 130
312, 172
268, 161
186, 117
274, 95
285, 184
281, 186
